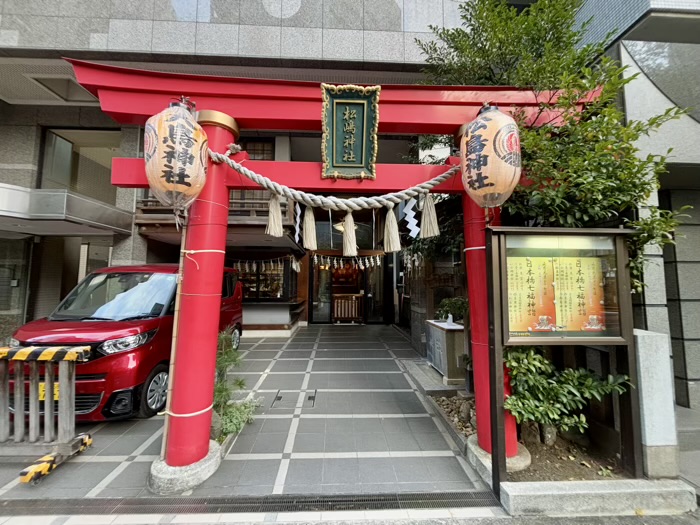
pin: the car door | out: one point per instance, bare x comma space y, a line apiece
226, 313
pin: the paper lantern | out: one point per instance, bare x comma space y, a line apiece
490, 157
175, 149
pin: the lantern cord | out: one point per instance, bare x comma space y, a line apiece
191, 414
331, 202
189, 253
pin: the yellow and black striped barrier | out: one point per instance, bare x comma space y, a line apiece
43, 466
78, 354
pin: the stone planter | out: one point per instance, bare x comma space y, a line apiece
444, 343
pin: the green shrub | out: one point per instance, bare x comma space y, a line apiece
548, 396
234, 414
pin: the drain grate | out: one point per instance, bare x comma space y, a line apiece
268, 504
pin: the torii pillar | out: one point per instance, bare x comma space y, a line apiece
131, 96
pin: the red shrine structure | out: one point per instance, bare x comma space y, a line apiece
226, 105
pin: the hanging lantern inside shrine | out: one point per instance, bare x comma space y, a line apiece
490, 157
175, 150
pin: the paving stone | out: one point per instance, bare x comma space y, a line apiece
309, 443
340, 471
269, 443
340, 443
135, 475
289, 366
283, 382
276, 426
259, 472
304, 472
446, 469
376, 470
311, 426
371, 442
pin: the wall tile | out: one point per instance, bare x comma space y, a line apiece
94, 117
175, 10
689, 280
383, 15
26, 178
688, 242
259, 41
259, 13
681, 391
82, 8
690, 313
450, 13
413, 53
692, 359
130, 35
30, 7
19, 143
419, 14
342, 44
383, 46
343, 14
302, 42
132, 9
77, 33
678, 352
694, 394
217, 39
173, 37
302, 13
218, 11
29, 31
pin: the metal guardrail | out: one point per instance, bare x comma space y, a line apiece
40, 376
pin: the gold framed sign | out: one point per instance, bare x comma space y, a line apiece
350, 122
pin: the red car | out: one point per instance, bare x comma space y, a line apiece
126, 315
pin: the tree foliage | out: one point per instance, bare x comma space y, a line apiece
581, 165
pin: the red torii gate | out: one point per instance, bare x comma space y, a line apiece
131, 96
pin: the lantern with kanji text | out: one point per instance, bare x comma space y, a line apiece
490, 157
175, 150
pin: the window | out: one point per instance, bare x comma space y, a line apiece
258, 149
81, 161
243, 202
226, 288
277, 282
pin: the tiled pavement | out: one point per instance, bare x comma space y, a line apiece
338, 415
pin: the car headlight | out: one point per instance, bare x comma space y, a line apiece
123, 344
14, 342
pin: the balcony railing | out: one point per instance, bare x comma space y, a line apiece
241, 211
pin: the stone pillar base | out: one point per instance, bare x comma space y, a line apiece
166, 480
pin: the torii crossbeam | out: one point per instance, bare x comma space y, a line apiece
131, 96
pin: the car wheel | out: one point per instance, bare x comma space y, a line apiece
236, 338
154, 392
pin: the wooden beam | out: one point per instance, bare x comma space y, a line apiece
306, 176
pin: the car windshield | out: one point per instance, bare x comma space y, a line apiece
117, 296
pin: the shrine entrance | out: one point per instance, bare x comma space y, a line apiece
228, 104
346, 293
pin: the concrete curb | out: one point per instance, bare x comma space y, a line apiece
166, 480
640, 497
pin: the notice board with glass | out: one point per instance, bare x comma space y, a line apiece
563, 288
